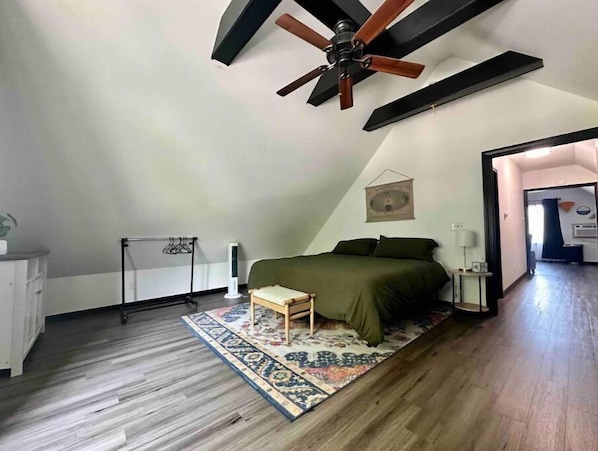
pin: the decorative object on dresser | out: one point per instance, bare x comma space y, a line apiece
390, 201
7, 223
22, 288
467, 306
465, 239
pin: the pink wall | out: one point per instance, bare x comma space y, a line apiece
561, 176
512, 220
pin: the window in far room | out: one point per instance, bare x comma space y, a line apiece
535, 214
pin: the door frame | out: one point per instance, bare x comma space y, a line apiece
491, 219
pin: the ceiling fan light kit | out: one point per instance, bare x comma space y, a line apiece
346, 48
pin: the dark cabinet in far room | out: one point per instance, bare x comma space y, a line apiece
573, 253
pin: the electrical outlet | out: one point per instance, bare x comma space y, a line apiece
458, 226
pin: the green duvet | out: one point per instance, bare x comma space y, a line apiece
366, 292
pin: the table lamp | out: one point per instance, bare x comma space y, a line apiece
465, 239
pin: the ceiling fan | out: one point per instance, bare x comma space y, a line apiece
347, 47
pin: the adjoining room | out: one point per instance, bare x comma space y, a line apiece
547, 203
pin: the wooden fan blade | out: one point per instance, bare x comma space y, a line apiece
392, 66
388, 11
302, 31
345, 85
303, 80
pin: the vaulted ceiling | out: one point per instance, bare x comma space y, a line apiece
131, 129
582, 154
561, 33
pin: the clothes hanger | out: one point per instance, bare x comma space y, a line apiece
178, 247
167, 247
186, 248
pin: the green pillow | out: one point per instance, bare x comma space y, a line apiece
362, 246
406, 248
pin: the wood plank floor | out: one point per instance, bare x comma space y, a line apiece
527, 380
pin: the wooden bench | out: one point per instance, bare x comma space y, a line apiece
292, 304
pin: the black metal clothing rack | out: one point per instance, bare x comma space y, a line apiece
151, 304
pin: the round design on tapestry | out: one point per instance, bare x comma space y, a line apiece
584, 210
281, 376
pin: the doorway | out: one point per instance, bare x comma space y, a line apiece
496, 217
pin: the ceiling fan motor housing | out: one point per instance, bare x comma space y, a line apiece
343, 53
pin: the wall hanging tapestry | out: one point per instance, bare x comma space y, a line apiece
566, 206
297, 377
390, 201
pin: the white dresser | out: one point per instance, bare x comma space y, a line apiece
22, 288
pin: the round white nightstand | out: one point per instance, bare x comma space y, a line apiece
466, 306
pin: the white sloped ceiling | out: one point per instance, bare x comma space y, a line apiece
122, 125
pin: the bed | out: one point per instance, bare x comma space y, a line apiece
366, 291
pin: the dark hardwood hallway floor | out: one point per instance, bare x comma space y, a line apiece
527, 380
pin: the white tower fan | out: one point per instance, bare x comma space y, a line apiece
233, 272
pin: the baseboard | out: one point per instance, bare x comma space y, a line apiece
94, 311
563, 262
514, 284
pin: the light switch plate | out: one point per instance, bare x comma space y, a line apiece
458, 226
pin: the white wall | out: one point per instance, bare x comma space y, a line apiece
580, 197
512, 220
564, 175
69, 294
441, 150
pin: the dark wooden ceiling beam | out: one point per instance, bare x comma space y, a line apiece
241, 20
430, 21
482, 76
329, 12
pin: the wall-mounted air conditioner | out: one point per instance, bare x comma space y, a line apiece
584, 231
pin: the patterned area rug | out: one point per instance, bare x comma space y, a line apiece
298, 377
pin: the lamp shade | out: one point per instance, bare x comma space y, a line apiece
465, 238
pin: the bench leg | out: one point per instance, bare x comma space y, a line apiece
311, 316
287, 323
252, 310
